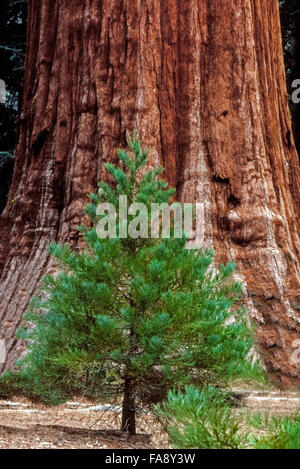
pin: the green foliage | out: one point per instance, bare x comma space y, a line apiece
200, 419
206, 419
146, 310
13, 384
280, 432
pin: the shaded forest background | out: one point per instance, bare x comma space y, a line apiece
12, 55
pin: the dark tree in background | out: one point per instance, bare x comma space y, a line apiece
12, 52
290, 24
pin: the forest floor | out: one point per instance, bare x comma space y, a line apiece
78, 425
84, 425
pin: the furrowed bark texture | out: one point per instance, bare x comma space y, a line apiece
203, 83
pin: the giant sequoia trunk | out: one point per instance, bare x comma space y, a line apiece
203, 83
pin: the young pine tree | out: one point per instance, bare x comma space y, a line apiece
133, 317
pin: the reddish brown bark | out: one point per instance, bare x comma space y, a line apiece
203, 83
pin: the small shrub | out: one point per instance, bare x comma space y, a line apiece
281, 433
200, 419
